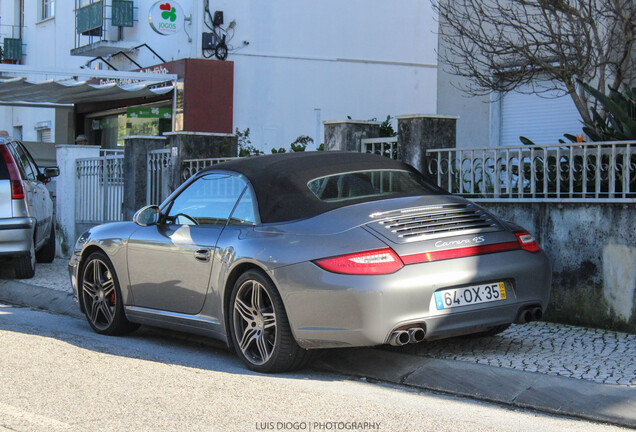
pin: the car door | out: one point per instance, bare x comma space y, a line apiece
169, 264
45, 205
29, 183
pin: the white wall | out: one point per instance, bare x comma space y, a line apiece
360, 58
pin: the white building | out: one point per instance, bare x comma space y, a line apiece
295, 63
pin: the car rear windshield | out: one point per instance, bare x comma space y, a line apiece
372, 184
4, 171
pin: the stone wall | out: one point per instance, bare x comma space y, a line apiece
347, 135
593, 252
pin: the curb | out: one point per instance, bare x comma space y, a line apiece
546, 393
529, 390
21, 293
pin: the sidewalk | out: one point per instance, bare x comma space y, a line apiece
581, 372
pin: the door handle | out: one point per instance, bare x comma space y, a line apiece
202, 255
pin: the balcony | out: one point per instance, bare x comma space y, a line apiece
99, 27
11, 43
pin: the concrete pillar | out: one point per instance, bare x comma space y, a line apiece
66, 155
136, 170
198, 145
346, 135
419, 132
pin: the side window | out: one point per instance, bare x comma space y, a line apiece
34, 166
244, 212
22, 161
207, 201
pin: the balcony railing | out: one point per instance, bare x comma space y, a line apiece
11, 43
562, 172
101, 21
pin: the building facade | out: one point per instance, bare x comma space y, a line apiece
293, 64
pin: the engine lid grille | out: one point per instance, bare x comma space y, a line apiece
436, 221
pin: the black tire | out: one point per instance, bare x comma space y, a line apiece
24, 266
221, 51
47, 253
101, 297
490, 332
268, 343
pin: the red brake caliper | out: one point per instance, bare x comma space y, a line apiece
112, 298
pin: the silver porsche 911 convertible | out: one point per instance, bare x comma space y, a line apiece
281, 255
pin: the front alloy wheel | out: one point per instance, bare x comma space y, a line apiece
101, 297
254, 322
259, 327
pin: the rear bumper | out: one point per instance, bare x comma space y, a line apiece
333, 310
16, 236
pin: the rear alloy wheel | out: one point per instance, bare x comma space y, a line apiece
259, 327
25, 265
101, 297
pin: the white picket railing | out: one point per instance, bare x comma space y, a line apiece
157, 185
561, 172
193, 166
100, 189
387, 146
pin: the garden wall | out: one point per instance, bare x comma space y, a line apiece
593, 252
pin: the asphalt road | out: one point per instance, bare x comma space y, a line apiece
57, 375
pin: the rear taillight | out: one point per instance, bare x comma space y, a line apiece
17, 191
459, 252
374, 262
527, 241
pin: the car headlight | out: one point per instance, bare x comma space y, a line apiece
79, 244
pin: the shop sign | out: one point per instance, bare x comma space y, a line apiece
149, 112
166, 17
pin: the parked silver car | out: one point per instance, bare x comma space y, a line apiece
27, 227
283, 254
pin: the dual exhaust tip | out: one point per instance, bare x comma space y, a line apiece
530, 314
403, 337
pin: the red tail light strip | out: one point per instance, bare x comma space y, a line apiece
17, 192
459, 252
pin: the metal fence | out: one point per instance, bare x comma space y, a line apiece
192, 166
387, 146
100, 189
158, 186
562, 172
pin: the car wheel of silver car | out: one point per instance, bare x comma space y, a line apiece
47, 253
101, 297
259, 327
25, 265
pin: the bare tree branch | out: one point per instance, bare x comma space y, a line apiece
505, 45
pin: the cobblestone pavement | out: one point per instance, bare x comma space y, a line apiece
556, 349
53, 275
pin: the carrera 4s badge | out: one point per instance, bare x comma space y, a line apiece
474, 240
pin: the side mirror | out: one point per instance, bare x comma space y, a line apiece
147, 216
50, 172
46, 173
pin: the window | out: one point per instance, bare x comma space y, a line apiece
207, 201
22, 161
44, 135
371, 184
244, 212
47, 9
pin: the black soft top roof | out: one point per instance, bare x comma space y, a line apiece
280, 180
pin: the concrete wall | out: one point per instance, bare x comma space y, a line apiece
593, 253
65, 192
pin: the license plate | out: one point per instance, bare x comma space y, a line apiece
457, 297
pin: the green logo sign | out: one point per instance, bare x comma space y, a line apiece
166, 17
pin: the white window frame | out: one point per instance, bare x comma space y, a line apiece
47, 9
